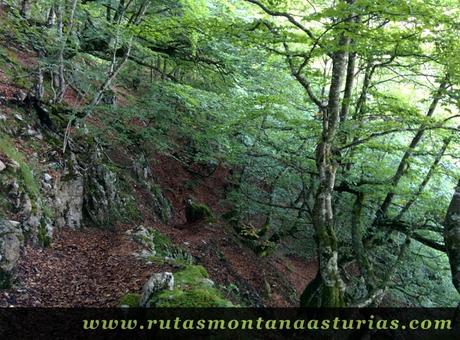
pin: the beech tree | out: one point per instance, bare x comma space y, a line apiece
336, 120
363, 44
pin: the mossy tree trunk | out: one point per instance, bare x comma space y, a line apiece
452, 236
327, 290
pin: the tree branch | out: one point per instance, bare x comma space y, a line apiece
288, 16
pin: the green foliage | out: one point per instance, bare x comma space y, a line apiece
27, 177
426, 282
43, 238
219, 80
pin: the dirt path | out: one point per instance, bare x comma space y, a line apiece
95, 268
82, 268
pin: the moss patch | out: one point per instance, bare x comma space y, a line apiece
163, 250
191, 290
27, 177
131, 299
198, 212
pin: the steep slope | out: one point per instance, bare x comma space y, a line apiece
72, 208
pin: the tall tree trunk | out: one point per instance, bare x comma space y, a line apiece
120, 11
38, 89
114, 69
349, 84
452, 236
327, 290
60, 77
50, 21
108, 13
357, 235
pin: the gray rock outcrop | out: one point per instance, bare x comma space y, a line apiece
68, 203
156, 283
11, 240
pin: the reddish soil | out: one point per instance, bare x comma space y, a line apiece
26, 58
28, 61
73, 98
298, 271
7, 90
179, 184
271, 281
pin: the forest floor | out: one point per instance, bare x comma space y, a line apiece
88, 267
96, 267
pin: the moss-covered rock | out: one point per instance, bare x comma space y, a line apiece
16, 161
11, 240
191, 290
159, 248
195, 212
256, 238
194, 298
101, 200
157, 200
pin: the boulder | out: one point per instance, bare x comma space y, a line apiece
158, 201
156, 283
26, 206
160, 204
101, 200
15, 195
68, 203
195, 212
142, 236
31, 214
11, 240
2, 166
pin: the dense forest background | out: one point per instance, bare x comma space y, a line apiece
334, 126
